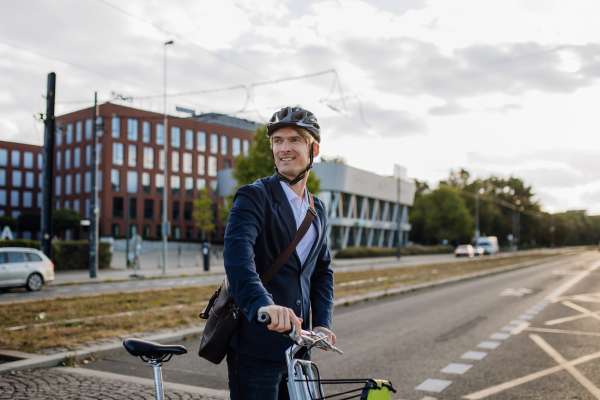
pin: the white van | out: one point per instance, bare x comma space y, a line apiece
489, 244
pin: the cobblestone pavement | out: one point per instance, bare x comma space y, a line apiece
43, 384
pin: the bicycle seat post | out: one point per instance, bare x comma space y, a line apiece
156, 365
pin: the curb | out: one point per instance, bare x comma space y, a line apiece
42, 361
205, 392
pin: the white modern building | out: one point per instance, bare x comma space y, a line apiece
362, 206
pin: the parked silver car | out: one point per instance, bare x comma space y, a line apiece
24, 267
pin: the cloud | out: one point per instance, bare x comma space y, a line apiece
450, 108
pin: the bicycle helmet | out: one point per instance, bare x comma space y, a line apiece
295, 116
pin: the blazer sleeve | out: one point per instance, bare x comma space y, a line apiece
244, 224
321, 289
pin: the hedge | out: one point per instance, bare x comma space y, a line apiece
69, 255
368, 252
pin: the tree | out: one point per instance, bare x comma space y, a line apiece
6, 220
30, 221
65, 220
203, 215
440, 215
334, 159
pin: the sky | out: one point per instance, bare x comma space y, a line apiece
504, 88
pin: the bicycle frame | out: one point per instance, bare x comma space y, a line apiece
303, 380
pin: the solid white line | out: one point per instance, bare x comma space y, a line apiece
548, 330
585, 382
581, 309
519, 328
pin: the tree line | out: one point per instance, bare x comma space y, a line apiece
506, 208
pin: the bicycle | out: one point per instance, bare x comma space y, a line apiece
303, 382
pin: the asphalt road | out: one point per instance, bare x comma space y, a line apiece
410, 339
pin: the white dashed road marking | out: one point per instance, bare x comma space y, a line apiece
488, 344
474, 355
500, 336
516, 292
456, 368
433, 385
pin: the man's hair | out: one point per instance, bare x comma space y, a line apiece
305, 133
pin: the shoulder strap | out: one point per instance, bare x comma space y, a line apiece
266, 276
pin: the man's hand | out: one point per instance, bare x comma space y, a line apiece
330, 336
282, 319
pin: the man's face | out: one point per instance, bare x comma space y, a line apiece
291, 152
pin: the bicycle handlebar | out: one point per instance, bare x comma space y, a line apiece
307, 338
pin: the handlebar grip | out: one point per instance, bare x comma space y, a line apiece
264, 318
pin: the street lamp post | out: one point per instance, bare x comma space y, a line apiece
165, 227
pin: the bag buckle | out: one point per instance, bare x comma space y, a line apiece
312, 210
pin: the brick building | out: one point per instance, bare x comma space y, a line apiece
20, 180
132, 162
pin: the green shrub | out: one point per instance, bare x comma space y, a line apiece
71, 255
368, 252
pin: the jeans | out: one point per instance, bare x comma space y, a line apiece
253, 378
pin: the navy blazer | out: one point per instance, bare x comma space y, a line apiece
260, 226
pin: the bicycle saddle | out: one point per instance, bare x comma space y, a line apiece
142, 348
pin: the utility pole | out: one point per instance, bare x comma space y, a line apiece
552, 229
127, 228
476, 213
399, 206
48, 170
165, 224
93, 236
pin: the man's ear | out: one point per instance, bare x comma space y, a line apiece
315, 149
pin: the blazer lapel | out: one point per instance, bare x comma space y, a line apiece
317, 224
284, 209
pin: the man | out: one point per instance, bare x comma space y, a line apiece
263, 220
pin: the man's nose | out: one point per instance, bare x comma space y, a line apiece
285, 146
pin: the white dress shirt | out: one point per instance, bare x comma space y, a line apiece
300, 208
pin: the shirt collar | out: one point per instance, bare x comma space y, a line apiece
289, 193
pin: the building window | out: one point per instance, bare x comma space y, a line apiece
86, 208
214, 188
114, 230
3, 157
187, 211
189, 187
189, 232
39, 199
132, 182
69, 134
14, 198
28, 160
214, 143
201, 141
29, 179
87, 182
17, 177
76, 157
132, 155
132, 208
148, 210
175, 185
67, 184
159, 182
146, 232
99, 180
88, 155
118, 154
176, 232
246, 148
67, 158
176, 211
160, 134
201, 165
15, 158
200, 184
3, 177
78, 131
175, 161
57, 186
58, 135
117, 207
189, 139
146, 132
58, 160
2, 197
148, 158
132, 129
146, 182
224, 145
158, 230
175, 137
76, 205
27, 199
88, 129
212, 166
67, 204
100, 127
187, 163
78, 183
40, 180
116, 127
40, 161
161, 159
226, 164
99, 152
115, 180
236, 147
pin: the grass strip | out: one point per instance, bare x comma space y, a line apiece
169, 308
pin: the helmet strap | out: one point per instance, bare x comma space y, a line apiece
300, 176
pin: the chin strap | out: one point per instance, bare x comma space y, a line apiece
300, 176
